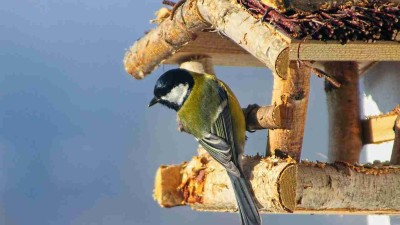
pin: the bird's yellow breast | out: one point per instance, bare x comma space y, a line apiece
199, 110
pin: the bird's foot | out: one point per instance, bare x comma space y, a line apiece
247, 112
176, 6
342, 166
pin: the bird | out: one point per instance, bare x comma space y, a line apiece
207, 109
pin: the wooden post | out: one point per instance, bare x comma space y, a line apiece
292, 93
344, 112
395, 159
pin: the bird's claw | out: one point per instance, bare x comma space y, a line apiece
176, 6
342, 166
247, 112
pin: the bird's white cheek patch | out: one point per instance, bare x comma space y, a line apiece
177, 94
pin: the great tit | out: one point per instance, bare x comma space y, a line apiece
208, 110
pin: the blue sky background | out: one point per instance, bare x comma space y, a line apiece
78, 144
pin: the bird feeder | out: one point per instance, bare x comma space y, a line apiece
336, 40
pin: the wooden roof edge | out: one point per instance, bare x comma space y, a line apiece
158, 44
267, 44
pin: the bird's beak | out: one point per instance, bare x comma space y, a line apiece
153, 101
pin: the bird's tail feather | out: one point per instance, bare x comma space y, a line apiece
247, 206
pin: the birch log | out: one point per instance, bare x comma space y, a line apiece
292, 93
259, 39
206, 186
227, 17
281, 186
344, 112
158, 44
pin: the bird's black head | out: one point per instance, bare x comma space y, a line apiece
173, 88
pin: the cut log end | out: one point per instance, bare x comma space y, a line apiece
282, 64
167, 181
287, 187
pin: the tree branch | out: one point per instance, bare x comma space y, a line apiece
266, 117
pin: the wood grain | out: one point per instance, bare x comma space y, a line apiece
353, 51
378, 129
225, 52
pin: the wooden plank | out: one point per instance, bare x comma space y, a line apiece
222, 50
218, 59
378, 129
225, 52
353, 51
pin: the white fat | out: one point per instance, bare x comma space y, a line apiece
177, 94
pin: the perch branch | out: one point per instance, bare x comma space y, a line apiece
266, 117
281, 186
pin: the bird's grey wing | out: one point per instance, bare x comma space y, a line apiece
220, 142
221, 146
220, 151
